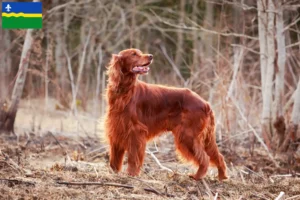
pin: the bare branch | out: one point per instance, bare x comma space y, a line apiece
200, 28
158, 162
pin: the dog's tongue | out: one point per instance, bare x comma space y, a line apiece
141, 69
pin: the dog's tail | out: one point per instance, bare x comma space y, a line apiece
211, 127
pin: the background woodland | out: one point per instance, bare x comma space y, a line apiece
241, 56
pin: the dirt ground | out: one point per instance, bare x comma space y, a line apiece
54, 158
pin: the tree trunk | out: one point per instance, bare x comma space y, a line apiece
8, 116
80, 70
292, 129
179, 49
268, 88
279, 123
134, 35
262, 31
196, 44
5, 63
208, 46
60, 70
83, 88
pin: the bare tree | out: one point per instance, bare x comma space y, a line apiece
294, 123
60, 61
208, 45
179, 49
268, 88
8, 116
262, 31
81, 66
5, 63
279, 73
196, 42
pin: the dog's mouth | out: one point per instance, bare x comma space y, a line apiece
143, 69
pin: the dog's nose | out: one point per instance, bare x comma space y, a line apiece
150, 56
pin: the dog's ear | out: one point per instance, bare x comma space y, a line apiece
116, 56
116, 59
112, 62
114, 71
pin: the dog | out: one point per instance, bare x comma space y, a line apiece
137, 112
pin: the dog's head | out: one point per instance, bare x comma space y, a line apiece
133, 61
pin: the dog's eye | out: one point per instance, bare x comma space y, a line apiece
134, 54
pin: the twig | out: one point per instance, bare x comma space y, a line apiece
292, 45
110, 184
255, 133
248, 49
158, 162
96, 150
280, 196
207, 188
216, 196
290, 25
59, 7
97, 175
80, 125
175, 68
242, 177
49, 132
282, 175
15, 165
255, 173
238, 57
293, 197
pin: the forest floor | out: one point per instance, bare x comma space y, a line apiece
50, 155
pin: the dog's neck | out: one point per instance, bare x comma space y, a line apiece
125, 85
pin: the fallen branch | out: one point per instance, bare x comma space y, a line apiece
16, 181
95, 183
154, 190
158, 162
111, 184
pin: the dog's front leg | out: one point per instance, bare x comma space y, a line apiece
136, 151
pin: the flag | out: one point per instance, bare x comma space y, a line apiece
23, 15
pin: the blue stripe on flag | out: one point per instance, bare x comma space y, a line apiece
25, 7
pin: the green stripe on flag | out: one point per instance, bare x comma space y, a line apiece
22, 22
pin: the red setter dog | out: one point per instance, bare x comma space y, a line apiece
138, 111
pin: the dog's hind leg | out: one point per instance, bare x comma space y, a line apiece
191, 149
217, 159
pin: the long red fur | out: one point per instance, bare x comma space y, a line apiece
138, 111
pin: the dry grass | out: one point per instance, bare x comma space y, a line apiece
45, 158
